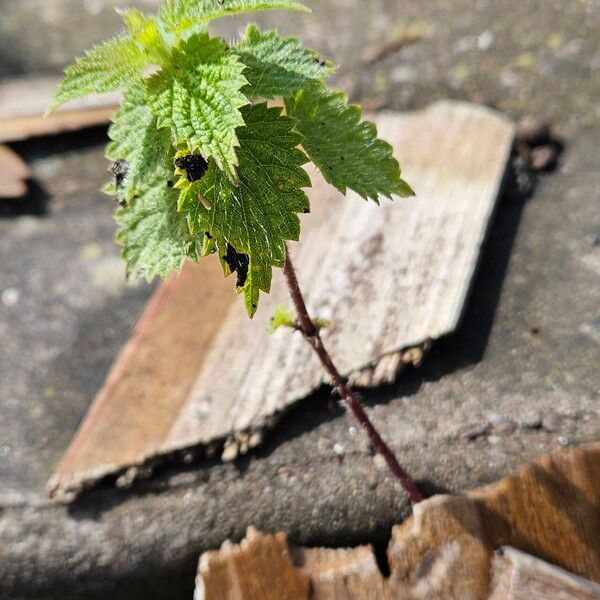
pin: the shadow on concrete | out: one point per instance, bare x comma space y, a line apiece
37, 199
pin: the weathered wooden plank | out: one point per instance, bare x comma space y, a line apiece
13, 174
389, 278
23, 102
520, 576
445, 550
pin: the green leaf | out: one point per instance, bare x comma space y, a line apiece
144, 30
138, 141
282, 317
278, 66
154, 236
344, 148
105, 68
258, 214
198, 96
178, 15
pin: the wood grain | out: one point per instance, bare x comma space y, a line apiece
445, 551
260, 567
389, 278
520, 576
24, 101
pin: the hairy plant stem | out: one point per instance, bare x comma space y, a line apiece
312, 335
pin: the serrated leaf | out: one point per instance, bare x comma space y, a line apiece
112, 65
178, 15
138, 141
344, 148
198, 97
258, 214
278, 66
154, 235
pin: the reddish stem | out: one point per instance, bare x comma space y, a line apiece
311, 333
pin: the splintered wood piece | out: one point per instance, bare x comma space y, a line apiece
520, 576
13, 174
445, 550
24, 101
341, 573
259, 567
388, 278
550, 508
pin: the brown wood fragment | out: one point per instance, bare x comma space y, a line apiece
341, 573
13, 174
550, 509
23, 102
259, 568
520, 576
151, 378
381, 51
420, 254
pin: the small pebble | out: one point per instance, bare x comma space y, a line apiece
485, 40
494, 439
339, 449
562, 440
530, 420
533, 131
543, 158
380, 463
10, 296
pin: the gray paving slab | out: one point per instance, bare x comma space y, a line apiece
522, 369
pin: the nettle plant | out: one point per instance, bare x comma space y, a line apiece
202, 164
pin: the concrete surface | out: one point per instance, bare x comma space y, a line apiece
520, 377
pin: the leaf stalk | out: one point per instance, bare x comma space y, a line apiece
312, 335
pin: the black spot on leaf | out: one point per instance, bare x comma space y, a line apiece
237, 263
194, 166
119, 170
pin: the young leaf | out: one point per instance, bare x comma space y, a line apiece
154, 236
178, 15
278, 66
146, 149
282, 317
198, 96
144, 30
259, 213
344, 148
110, 66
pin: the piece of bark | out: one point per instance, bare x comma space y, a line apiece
24, 101
14, 174
258, 568
520, 576
389, 278
445, 550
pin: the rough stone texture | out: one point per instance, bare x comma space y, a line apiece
529, 342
